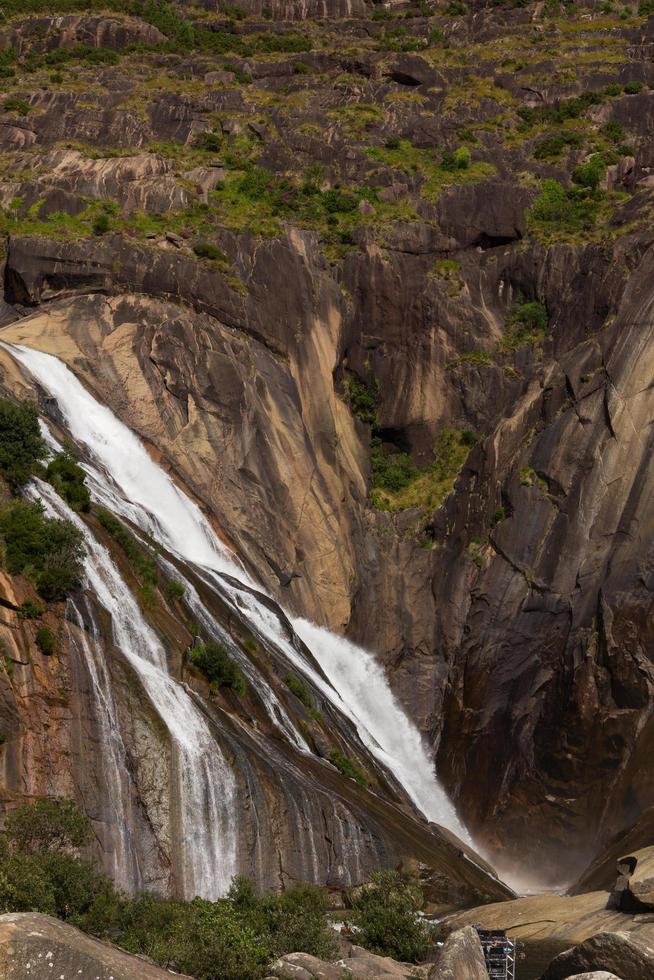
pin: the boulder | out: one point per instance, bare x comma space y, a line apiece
42, 948
627, 956
357, 964
461, 958
595, 975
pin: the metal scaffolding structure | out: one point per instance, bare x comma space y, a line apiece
499, 953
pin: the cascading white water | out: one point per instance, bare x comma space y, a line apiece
120, 852
206, 783
357, 685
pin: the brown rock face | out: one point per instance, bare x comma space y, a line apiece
620, 953
40, 947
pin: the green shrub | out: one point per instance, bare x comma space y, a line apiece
29, 610
21, 444
391, 471
556, 209
212, 142
49, 550
175, 589
363, 397
462, 158
69, 480
101, 224
614, 131
45, 640
631, 88
299, 689
20, 106
526, 324
47, 825
215, 663
205, 250
385, 913
553, 146
498, 516
393, 143
348, 768
590, 173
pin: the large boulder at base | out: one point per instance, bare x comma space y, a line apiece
41, 948
357, 963
628, 956
461, 958
595, 975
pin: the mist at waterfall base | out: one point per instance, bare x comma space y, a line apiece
127, 478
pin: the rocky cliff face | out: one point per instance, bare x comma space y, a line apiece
270, 218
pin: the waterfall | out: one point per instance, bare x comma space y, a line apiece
355, 684
118, 846
205, 783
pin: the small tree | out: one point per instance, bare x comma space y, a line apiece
385, 912
21, 445
47, 825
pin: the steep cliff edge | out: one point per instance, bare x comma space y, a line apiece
282, 240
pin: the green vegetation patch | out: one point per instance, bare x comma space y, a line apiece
213, 660
363, 397
236, 938
49, 551
69, 480
347, 767
21, 444
398, 484
385, 913
526, 324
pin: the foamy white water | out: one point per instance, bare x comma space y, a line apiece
206, 785
356, 684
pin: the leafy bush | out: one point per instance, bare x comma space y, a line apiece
553, 146
459, 160
526, 324
175, 590
47, 825
391, 471
298, 688
21, 445
233, 939
558, 209
363, 397
49, 550
215, 663
205, 250
20, 106
348, 768
69, 480
614, 131
631, 88
385, 913
101, 224
590, 173
45, 640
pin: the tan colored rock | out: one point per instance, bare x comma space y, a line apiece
461, 958
595, 975
43, 948
570, 918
